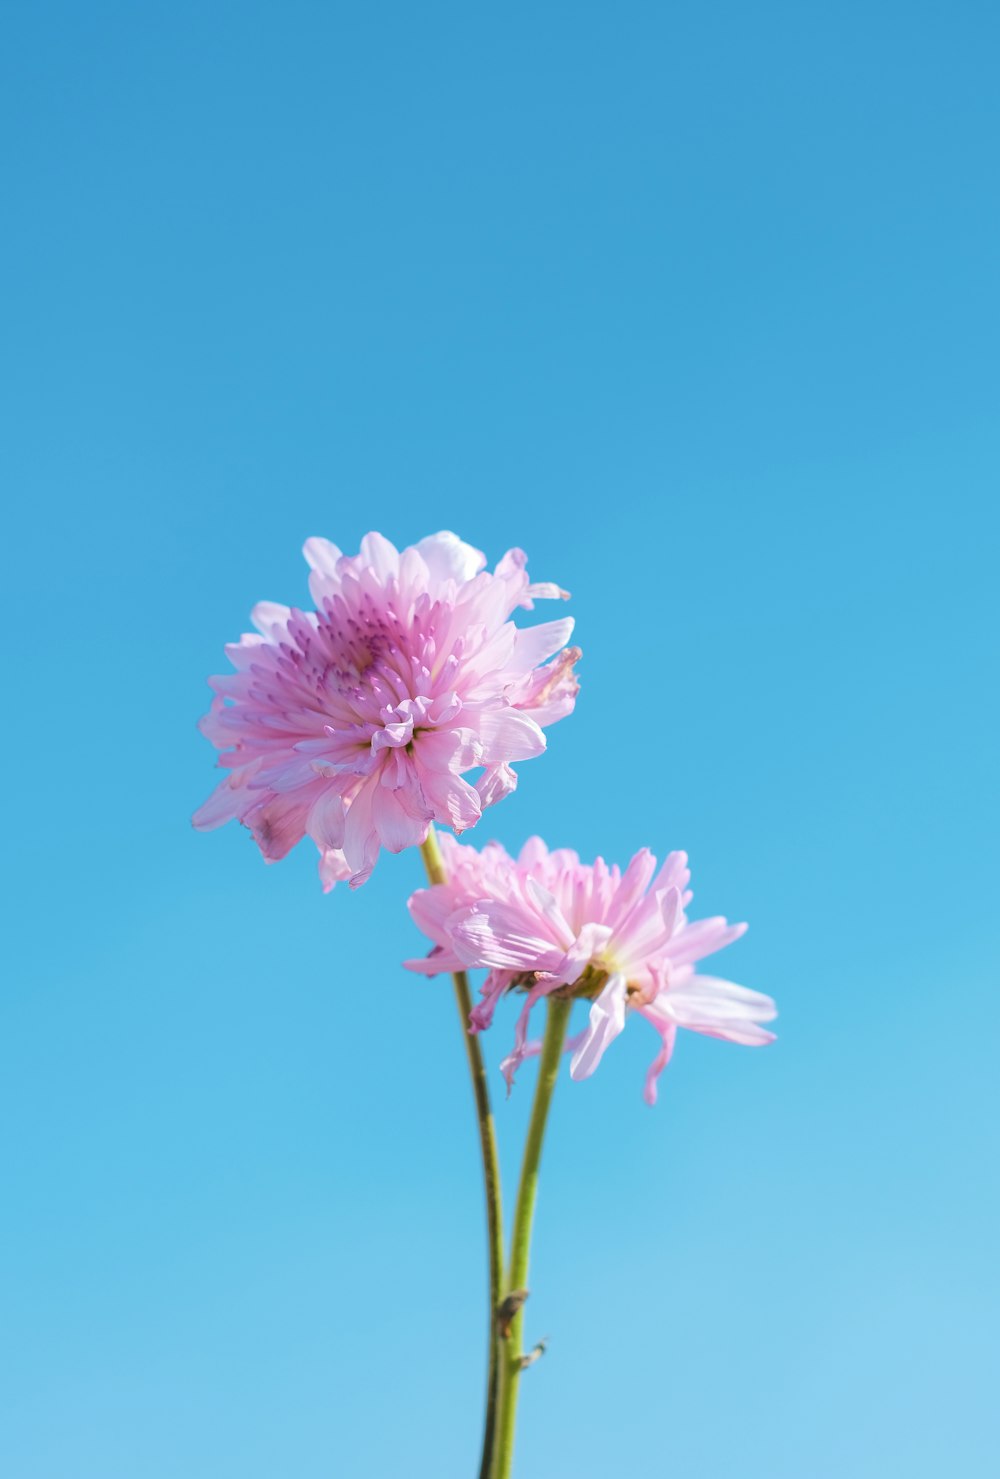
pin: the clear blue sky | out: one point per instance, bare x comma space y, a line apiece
698, 304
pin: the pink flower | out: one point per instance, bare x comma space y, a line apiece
355, 723
548, 923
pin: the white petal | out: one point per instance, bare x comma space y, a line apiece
321, 555
270, 618
380, 556
448, 558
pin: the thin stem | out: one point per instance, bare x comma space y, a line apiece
511, 1354
434, 863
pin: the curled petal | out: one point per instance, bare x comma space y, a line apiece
587, 948
607, 1020
522, 1048
659, 1063
497, 982
496, 782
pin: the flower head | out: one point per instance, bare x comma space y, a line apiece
548, 923
356, 723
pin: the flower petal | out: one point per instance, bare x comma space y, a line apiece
507, 734
501, 936
448, 558
659, 1063
607, 1019
321, 555
496, 782
536, 644
398, 822
380, 556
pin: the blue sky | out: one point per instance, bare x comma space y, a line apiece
698, 305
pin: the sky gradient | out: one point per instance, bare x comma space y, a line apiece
699, 306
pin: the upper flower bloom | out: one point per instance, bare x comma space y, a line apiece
355, 722
549, 923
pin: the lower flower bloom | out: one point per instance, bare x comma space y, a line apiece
546, 923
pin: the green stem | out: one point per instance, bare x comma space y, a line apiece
520, 1247
436, 873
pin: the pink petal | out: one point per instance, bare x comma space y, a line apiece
227, 801
398, 822
333, 868
495, 783
546, 905
703, 937
658, 1064
648, 928
635, 880
501, 936
507, 735
277, 824
607, 1020
536, 644
588, 946
451, 799
326, 820
720, 1008
481, 1015
513, 1061
360, 837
